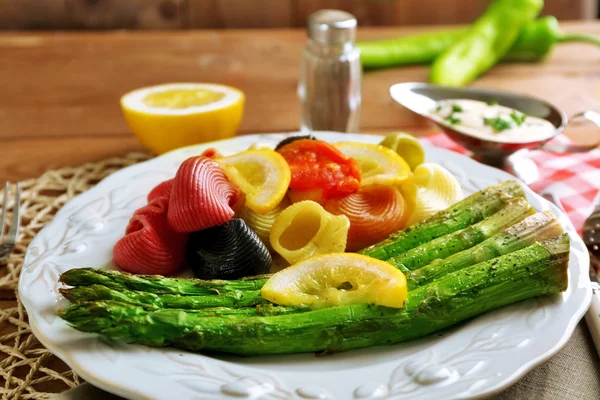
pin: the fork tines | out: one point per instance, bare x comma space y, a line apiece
8, 243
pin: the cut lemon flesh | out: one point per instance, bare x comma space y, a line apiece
263, 175
182, 98
169, 116
378, 164
337, 279
407, 146
430, 189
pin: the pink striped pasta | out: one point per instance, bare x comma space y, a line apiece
202, 196
149, 246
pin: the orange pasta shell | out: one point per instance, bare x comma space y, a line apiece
374, 212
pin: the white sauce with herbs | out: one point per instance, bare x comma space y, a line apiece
491, 121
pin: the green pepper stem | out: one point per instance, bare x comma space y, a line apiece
580, 37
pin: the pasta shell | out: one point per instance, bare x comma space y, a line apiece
149, 246
228, 251
375, 212
262, 223
305, 229
202, 196
430, 189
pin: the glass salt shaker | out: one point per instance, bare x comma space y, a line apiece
330, 74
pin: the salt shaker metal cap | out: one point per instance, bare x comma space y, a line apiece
332, 27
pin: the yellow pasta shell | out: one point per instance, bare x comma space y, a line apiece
305, 229
430, 189
262, 223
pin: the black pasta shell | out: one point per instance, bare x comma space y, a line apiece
228, 251
293, 139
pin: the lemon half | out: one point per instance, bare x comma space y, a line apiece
337, 279
166, 117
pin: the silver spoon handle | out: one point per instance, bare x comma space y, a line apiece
592, 116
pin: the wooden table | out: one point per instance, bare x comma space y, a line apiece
60, 91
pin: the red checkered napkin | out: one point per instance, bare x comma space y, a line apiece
574, 178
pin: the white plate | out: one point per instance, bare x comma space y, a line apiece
475, 359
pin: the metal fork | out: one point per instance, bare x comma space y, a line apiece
8, 244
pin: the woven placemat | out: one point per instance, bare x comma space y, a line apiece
27, 369
30, 371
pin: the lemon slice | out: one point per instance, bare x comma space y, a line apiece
337, 279
407, 146
378, 164
166, 117
263, 175
430, 189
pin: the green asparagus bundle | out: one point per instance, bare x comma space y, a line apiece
538, 227
468, 211
539, 269
445, 246
163, 311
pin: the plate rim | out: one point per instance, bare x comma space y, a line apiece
127, 392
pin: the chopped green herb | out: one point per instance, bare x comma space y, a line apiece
519, 118
438, 108
498, 124
492, 102
453, 120
456, 108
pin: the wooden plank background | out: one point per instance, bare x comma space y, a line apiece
67, 112
222, 14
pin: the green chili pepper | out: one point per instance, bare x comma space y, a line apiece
486, 43
536, 40
416, 49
